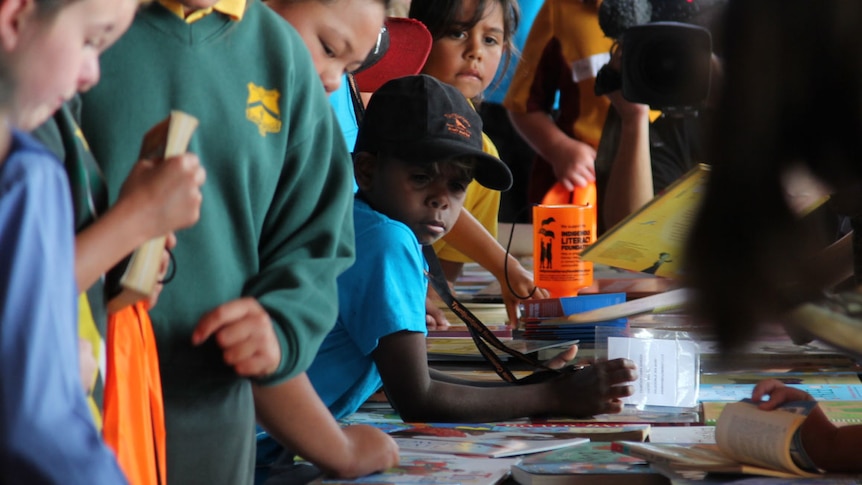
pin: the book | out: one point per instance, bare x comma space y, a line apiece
460, 330
588, 464
595, 432
651, 240
836, 319
476, 441
168, 138
749, 441
840, 412
442, 348
491, 314
548, 308
658, 303
423, 468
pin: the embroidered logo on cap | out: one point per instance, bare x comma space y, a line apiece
459, 125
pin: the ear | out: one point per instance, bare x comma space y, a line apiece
364, 168
14, 14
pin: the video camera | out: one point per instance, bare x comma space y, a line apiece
665, 60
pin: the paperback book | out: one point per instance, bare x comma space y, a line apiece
748, 441
469, 441
589, 464
421, 468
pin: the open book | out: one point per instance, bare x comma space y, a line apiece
651, 240
748, 441
168, 138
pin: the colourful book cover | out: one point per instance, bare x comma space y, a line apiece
472, 441
420, 468
652, 239
592, 463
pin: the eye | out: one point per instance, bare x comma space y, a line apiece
457, 34
421, 178
458, 186
327, 50
491, 40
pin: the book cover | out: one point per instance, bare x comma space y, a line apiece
461, 348
836, 320
651, 240
547, 308
168, 138
589, 464
460, 330
658, 303
748, 441
840, 413
470, 441
423, 468
596, 432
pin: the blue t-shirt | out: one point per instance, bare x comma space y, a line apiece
342, 104
48, 433
382, 293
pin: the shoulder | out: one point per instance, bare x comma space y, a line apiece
29, 160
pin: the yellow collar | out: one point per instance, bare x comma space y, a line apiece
232, 8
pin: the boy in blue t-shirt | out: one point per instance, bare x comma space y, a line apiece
418, 148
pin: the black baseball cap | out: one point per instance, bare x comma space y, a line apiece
422, 120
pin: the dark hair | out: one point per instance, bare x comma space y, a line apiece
461, 167
441, 17
791, 94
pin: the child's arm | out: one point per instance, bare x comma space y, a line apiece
403, 364
295, 416
573, 161
831, 448
158, 197
630, 182
471, 238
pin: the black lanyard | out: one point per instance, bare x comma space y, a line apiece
482, 336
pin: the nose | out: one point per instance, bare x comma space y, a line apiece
89, 73
438, 196
331, 79
474, 48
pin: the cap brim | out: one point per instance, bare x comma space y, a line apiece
409, 46
489, 171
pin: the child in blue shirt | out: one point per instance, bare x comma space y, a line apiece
418, 148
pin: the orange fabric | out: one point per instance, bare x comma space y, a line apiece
134, 421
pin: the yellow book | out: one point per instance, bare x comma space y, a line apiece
168, 138
652, 239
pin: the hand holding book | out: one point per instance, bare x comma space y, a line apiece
168, 190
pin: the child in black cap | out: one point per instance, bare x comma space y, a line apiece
419, 146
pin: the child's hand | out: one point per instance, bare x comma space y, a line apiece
560, 360
165, 194
522, 282
574, 163
372, 450
243, 330
595, 389
435, 318
87, 364
164, 266
778, 392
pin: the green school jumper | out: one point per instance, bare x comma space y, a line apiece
276, 222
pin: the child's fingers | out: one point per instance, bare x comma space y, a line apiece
220, 317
